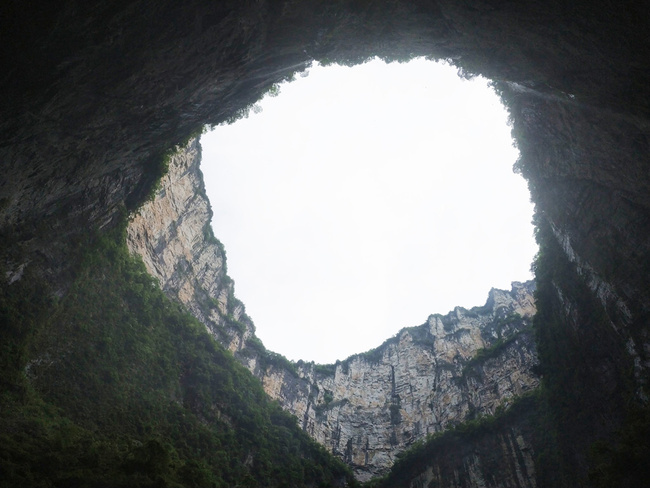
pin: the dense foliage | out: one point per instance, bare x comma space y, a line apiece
114, 385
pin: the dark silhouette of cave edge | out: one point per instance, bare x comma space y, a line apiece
586, 153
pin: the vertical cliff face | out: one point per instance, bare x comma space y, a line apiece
371, 406
173, 236
500, 451
506, 455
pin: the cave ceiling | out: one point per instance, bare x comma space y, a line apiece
95, 93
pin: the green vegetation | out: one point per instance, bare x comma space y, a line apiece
329, 403
325, 369
267, 359
327, 397
114, 385
208, 235
454, 442
273, 90
492, 351
476, 311
510, 319
376, 354
420, 335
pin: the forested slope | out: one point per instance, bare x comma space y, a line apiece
114, 385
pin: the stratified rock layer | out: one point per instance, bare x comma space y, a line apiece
371, 406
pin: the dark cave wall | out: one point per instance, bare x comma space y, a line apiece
98, 92
94, 88
95, 93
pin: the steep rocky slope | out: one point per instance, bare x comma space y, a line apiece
371, 406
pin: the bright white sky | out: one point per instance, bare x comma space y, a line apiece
361, 200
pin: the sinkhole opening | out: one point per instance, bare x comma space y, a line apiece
355, 201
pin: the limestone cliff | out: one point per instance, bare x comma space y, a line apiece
173, 236
373, 405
